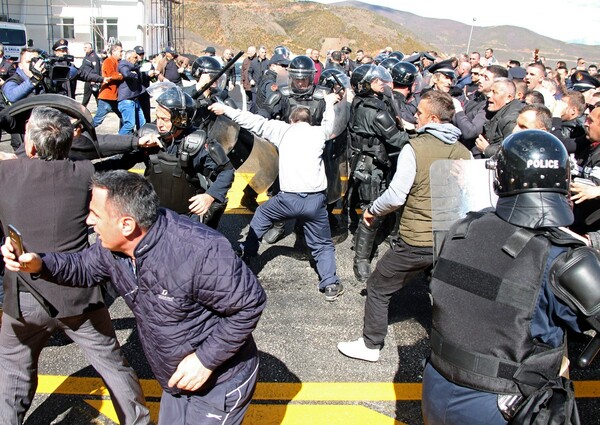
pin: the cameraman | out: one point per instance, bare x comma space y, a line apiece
25, 82
62, 58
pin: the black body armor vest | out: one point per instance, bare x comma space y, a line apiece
173, 176
488, 345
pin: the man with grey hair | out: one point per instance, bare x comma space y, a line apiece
45, 196
195, 302
129, 92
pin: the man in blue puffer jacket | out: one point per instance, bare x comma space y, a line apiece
195, 302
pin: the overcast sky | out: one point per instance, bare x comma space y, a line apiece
574, 21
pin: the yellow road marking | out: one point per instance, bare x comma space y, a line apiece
271, 391
298, 412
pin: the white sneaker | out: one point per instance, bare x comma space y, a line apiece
358, 350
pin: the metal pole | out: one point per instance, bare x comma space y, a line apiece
470, 36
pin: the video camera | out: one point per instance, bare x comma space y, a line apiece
58, 68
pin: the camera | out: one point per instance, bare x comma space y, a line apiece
57, 67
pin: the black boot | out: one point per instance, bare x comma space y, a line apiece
364, 239
274, 233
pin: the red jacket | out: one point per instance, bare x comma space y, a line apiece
110, 68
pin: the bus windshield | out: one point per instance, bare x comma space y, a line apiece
12, 37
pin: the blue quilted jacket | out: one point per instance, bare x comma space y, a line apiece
189, 293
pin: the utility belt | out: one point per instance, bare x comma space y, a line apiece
370, 146
368, 176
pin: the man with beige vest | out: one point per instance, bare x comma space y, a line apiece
412, 252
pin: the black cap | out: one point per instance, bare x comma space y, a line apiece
346, 49
139, 50
210, 49
445, 67
171, 50
516, 73
279, 60
583, 81
60, 44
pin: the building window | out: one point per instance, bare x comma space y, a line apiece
68, 27
104, 30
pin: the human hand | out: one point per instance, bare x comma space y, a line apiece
457, 105
106, 80
332, 98
199, 204
582, 192
368, 218
577, 236
252, 83
150, 141
408, 126
28, 262
217, 108
190, 374
481, 143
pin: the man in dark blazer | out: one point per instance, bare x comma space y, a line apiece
45, 196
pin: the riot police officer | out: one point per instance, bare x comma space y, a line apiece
498, 331
187, 174
204, 69
374, 139
404, 76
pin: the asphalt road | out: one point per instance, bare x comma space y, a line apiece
303, 378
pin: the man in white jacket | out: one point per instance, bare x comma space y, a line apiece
303, 184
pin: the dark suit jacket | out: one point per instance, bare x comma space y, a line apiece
47, 201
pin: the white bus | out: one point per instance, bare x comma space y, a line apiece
14, 37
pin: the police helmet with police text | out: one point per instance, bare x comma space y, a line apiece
181, 106
531, 161
301, 74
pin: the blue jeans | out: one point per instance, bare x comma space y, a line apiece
104, 107
311, 209
132, 116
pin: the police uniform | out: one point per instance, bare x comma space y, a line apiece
498, 330
373, 137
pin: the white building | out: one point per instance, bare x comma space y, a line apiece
153, 24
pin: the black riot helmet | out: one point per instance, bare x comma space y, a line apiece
205, 65
397, 55
389, 63
283, 51
180, 105
404, 73
334, 78
531, 161
301, 74
365, 74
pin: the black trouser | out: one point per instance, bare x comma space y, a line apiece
398, 265
87, 94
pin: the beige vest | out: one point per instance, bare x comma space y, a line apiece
415, 223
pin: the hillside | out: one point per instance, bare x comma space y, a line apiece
302, 24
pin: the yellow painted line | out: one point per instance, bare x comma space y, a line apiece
278, 414
271, 391
295, 414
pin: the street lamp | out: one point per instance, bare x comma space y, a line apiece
470, 36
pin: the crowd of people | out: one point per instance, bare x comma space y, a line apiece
359, 134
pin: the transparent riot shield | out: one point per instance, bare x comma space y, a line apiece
254, 159
335, 154
458, 187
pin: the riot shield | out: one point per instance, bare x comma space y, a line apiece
458, 187
335, 154
22, 109
254, 159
